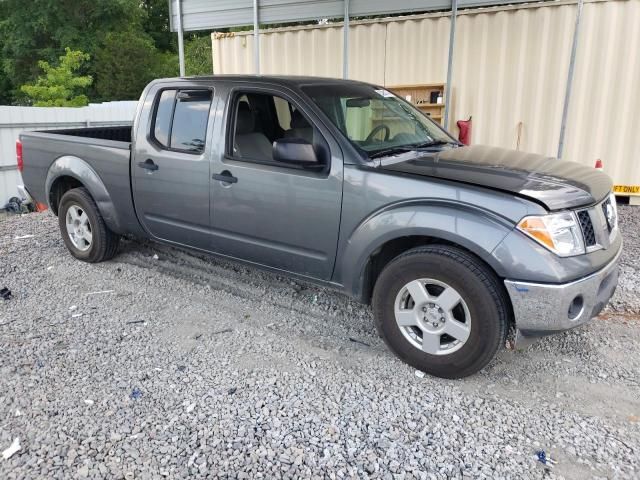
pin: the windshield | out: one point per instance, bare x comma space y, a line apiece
374, 119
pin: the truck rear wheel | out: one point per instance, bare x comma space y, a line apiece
83, 229
440, 310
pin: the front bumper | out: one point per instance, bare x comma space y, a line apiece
542, 309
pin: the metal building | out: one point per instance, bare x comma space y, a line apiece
509, 66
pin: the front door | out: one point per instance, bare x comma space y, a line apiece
279, 215
170, 171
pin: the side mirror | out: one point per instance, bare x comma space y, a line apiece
295, 151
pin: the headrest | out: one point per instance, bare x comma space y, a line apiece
298, 121
245, 123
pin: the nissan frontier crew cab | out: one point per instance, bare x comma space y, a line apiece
347, 185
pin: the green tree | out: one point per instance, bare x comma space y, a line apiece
126, 62
156, 24
41, 29
197, 56
60, 86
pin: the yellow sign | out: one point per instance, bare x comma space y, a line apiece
627, 189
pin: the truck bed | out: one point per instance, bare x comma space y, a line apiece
106, 152
120, 133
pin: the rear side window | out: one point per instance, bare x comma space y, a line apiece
181, 118
164, 112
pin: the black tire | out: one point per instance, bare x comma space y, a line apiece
104, 243
477, 285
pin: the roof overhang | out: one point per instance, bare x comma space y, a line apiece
212, 14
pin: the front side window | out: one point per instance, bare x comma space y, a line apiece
181, 119
260, 119
374, 119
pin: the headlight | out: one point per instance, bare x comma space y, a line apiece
559, 232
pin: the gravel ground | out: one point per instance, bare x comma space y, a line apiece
189, 366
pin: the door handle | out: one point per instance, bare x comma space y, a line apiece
148, 164
225, 177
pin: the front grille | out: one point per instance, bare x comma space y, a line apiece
587, 228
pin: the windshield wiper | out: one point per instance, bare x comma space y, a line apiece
390, 151
421, 147
436, 143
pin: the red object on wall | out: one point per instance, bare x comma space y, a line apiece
465, 131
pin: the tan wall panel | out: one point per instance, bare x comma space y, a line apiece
510, 66
303, 52
417, 51
366, 52
604, 117
232, 53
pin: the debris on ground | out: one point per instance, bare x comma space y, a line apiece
5, 293
13, 448
136, 393
544, 459
22, 237
419, 374
18, 412
88, 401
155, 256
355, 340
18, 206
224, 330
99, 292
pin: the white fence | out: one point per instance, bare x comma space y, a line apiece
14, 120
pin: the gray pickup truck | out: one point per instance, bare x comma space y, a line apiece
344, 184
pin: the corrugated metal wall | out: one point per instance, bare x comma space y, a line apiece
604, 118
510, 69
14, 120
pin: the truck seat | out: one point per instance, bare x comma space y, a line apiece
300, 128
248, 143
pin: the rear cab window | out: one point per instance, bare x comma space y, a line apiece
180, 119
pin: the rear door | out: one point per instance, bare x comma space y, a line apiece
170, 167
275, 214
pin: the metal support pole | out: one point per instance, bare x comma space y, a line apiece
452, 40
180, 37
256, 38
567, 94
345, 41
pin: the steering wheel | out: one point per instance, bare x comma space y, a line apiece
376, 130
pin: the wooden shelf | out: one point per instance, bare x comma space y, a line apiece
421, 92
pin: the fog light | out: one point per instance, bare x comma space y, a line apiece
576, 307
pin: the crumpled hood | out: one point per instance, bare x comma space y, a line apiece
557, 184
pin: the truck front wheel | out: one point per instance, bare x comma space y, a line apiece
83, 229
441, 310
